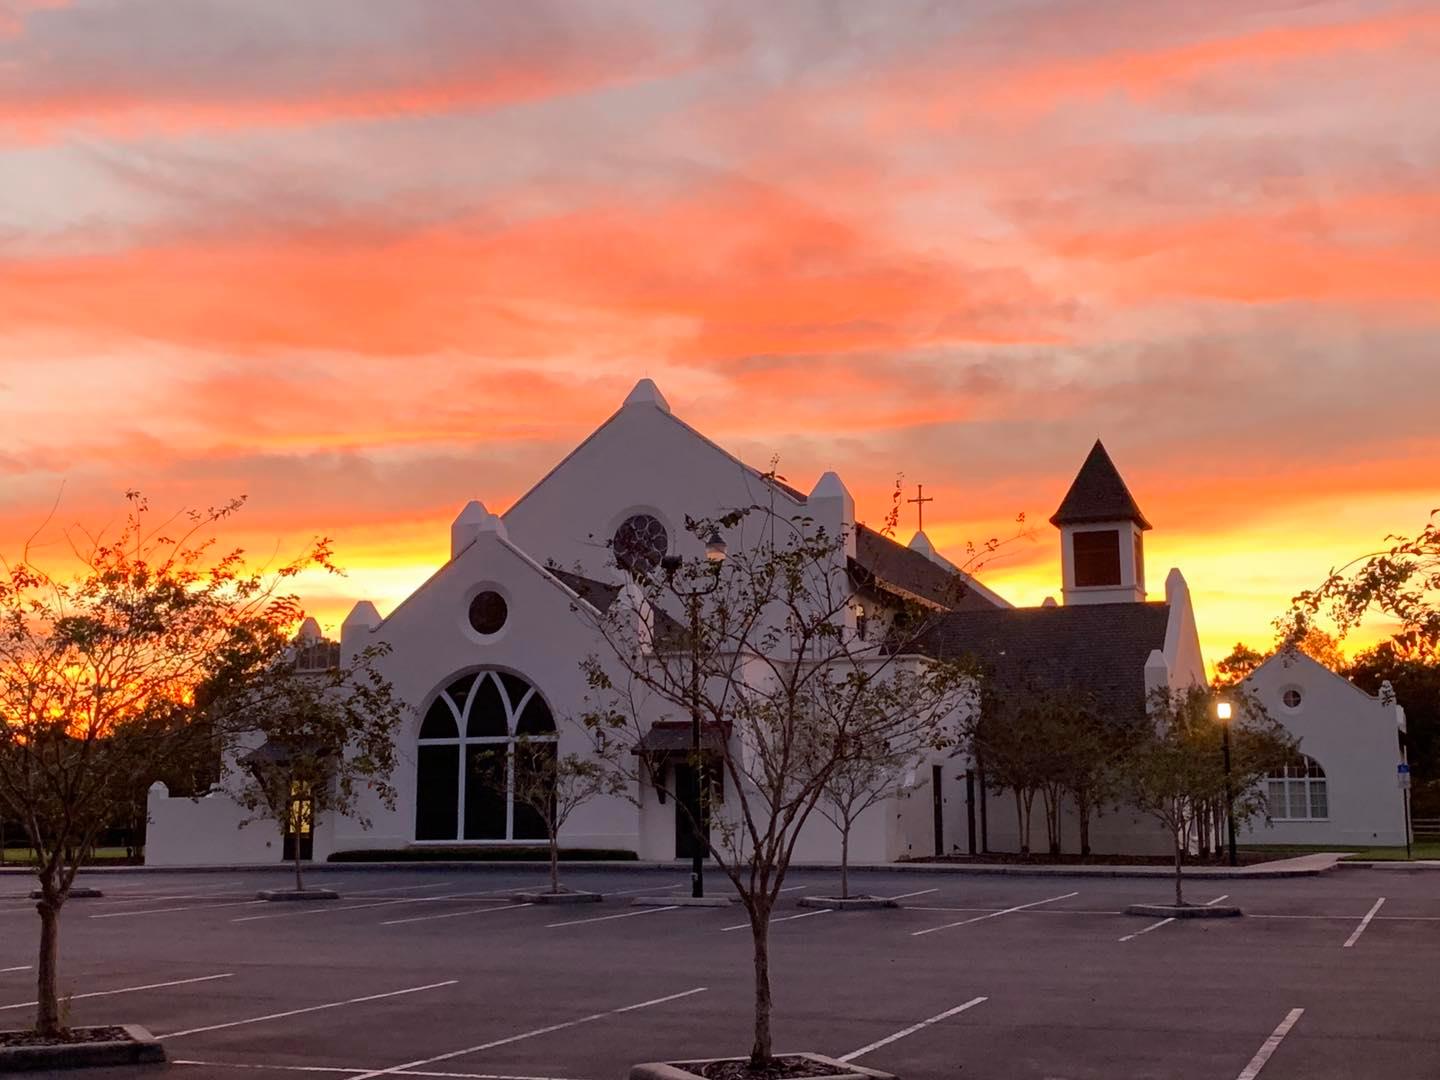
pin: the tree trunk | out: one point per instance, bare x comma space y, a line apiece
554, 862
845, 862
47, 1014
299, 878
1179, 878
1021, 825
1082, 812
761, 1052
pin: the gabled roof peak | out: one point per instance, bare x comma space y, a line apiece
647, 393
1098, 493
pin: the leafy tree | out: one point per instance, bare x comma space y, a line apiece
1401, 582
783, 683
1176, 772
865, 776
1314, 642
98, 678
327, 736
550, 784
1239, 665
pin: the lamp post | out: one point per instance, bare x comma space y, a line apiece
715, 553
1223, 712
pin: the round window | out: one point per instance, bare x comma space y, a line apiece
488, 612
640, 543
1292, 698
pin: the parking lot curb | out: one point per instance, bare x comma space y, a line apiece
139, 1048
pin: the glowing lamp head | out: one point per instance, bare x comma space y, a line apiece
1222, 710
715, 547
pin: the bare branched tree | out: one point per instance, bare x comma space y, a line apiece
550, 785
788, 691
323, 737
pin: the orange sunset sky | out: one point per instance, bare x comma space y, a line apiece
362, 260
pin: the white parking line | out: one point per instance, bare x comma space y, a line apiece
993, 914
321, 908
454, 914
528, 1034
651, 889
912, 1029
1363, 924
309, 1009
783, 918
1270, 1045
907, 895
1212, 903
607, 918
411, 888
336, 1069
126, 990
167, 910
1152, 926
22, 967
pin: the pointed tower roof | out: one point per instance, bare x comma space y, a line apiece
1098, 494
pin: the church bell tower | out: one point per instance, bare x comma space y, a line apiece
1102, 536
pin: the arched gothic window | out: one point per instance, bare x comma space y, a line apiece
1297, 791
467, 757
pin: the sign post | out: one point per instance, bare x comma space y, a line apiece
1402, 779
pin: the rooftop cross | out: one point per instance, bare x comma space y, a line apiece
920, 500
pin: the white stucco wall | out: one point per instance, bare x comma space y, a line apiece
543, 641
1354, 737
208, 831
643, 460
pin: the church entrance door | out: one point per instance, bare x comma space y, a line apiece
299, 826
687, 797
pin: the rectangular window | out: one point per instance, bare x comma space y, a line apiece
1097, 557
1275, 798
1299, 805
1319, 799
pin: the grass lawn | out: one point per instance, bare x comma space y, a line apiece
1419, 850
1427, 850
18, 856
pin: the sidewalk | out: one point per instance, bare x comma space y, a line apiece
1392, 864
1300, 866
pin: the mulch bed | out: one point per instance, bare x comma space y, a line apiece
782, 1068
71, 1036
1244, 858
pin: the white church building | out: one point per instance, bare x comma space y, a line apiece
489, 650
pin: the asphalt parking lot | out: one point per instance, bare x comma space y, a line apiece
435, 972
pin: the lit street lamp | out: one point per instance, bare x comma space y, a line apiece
715, 553
1223, 712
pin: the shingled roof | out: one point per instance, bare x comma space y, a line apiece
1098, 493
1096, 649
892, 565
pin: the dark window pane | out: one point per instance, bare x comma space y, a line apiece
487, 712
488, 612
536, 719
437, 792
485, 796
534, 777
439, 722
459, 690
1097, 557
515, 687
